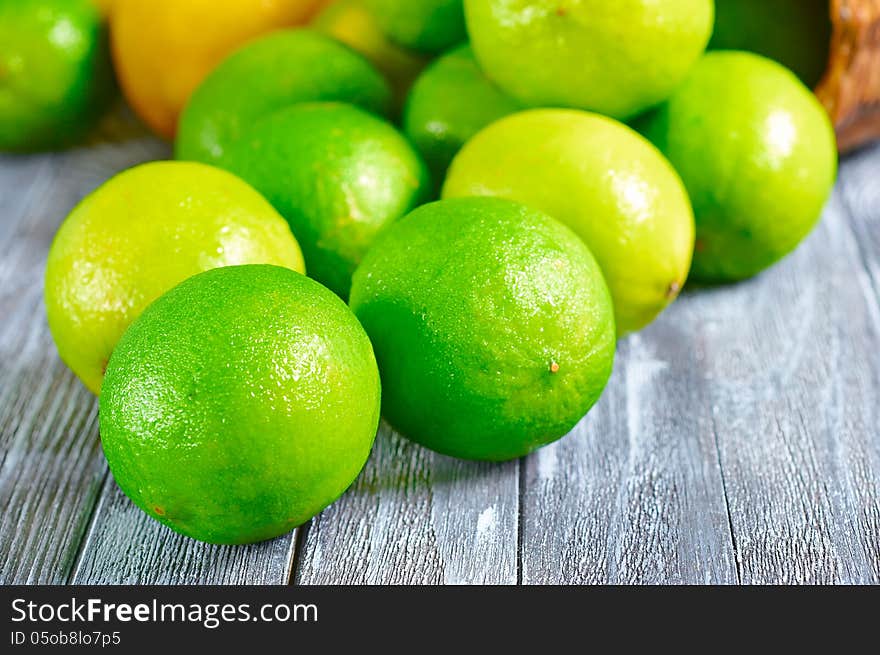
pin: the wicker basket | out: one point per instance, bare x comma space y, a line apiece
850, 89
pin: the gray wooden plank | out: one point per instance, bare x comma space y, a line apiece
23, 179
416, 517
125, 546
635, 494
50, 468
790, 362
860, 194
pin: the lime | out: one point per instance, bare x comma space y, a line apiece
271, 73
449, 103
427, 25
606, 183
616, 58
757, 154
350, 22
240, 404
337, 174
492, 325
137, 236
55, 74
796, 33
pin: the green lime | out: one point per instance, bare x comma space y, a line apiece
240, 404
138, 235
449, 103
616, 58
56, 78
270, 73
337, 174
757, 153
427, 25
492, 326
606, 183
350, 22
796, 33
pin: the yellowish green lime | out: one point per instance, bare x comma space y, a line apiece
604, 181
138, 235
617, 58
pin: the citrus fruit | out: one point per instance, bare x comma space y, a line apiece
757, 154
55, 74
426, 26
137, 236
492, 327
615, 58
796, 33
271, 73
606, 183
240, 404
162, 49
337, 174
350, 22
449, 103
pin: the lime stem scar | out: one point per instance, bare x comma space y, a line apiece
554, 367
673, 289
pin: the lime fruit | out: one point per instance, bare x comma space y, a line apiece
273, 72
757, 153
449, 103
240, 404
350, 22
492, 326
616, 58
337, 174
55, 74
606, 183
140, 234
427, 25
796, 33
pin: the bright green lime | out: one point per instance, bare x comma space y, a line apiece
492, 325
55, 74
606, 183
240, 404
757, 153
273, 72
449, 103
796, 33
426, 25
337, 174
616, 58
138, 235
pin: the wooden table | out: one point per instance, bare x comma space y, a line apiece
738, 441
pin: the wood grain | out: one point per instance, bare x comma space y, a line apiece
860, 194
125, 546
635, 494
781, 373
416, 517
789, 363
